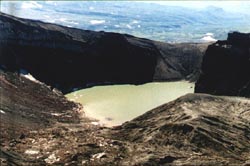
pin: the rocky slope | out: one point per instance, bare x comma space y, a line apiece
27, 102
226, 67
27, 106
68, 58
40, 127
196, 129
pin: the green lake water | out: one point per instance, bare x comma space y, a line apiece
115, 104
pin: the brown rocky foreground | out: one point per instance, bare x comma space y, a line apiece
40, 127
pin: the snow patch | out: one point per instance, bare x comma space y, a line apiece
30, 77
209, 34
209, 37
26, 74
2, 112
97, 22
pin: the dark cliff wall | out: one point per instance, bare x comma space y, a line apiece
67, 57
226, 67
181, 60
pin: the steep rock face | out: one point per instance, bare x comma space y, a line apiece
181, 60
196, 129
67, 58
226, 67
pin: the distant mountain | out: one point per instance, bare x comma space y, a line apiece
147, 20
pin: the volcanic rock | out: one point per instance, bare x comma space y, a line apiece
226, 67
27, 105
196, 129
67, 58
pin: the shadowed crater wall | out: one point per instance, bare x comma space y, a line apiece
68, 58
226, 67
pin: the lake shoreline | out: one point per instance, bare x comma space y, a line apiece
112, 105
